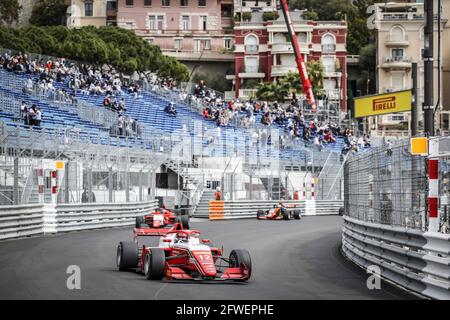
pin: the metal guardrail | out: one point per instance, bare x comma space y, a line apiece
243, 209
21, 221
31, 220
414, 260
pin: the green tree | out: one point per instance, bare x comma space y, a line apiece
367, 65
9, 12
354, 11
48, 13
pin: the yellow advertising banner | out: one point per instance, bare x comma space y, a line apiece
392, 102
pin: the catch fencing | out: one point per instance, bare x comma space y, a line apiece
389, 220
387, 185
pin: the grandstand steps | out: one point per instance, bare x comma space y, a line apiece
274, 187
202, 209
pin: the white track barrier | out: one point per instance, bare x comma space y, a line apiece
40, 219
414, 260
244, 209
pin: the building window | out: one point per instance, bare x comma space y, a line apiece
88, 8
111, 5
397, 81
329, 64
185, 23
227, 44
251, 64
328, 44
147, 3
203, 22
207, 44
251, 44
166, 3
202, 3
129, 3
184, 3
178, 44
397, 54
397, 33
155, 22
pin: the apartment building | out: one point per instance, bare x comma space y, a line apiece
91, 13
264, 53
400, 41
196, 32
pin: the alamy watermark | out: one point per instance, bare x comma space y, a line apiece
74, 280
374, 280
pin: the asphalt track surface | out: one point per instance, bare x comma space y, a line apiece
291, 260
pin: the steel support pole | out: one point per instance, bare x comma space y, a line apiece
140, 185
428, 58
66, 182
414, 118
16, 200
110, 184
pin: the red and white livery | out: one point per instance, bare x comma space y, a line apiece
182, 255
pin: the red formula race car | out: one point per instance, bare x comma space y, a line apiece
161, 218
279, 212
182, 255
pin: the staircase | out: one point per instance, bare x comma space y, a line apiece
275, 189
192, 188
202, 210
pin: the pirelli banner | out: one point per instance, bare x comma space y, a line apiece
375, 105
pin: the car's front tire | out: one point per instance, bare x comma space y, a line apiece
297, 215
184, 220
127, 255
154, 264
140, 221
259, 214
238, 257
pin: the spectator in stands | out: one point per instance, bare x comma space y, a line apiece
28, 87
37, 117
23, 109
32, 115
317, 142
170, 109
295, 195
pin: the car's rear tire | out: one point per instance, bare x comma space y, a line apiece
127, 255
154, 264
260, 213
184, 220
285, 214
297, 215
140, 221
239, 256
341, 211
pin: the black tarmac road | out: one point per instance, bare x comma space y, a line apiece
291, 260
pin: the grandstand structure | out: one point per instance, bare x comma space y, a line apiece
188, 152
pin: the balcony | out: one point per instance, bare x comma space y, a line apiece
332, 74
328, 48
397, 63
282, 48
254, 6
282, 70
252, 72
247, 93
395, 42
251, 49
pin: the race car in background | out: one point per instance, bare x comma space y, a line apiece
279, 212
182, 255
161, 218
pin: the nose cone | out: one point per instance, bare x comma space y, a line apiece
206, 262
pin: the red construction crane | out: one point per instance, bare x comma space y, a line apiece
307, 88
